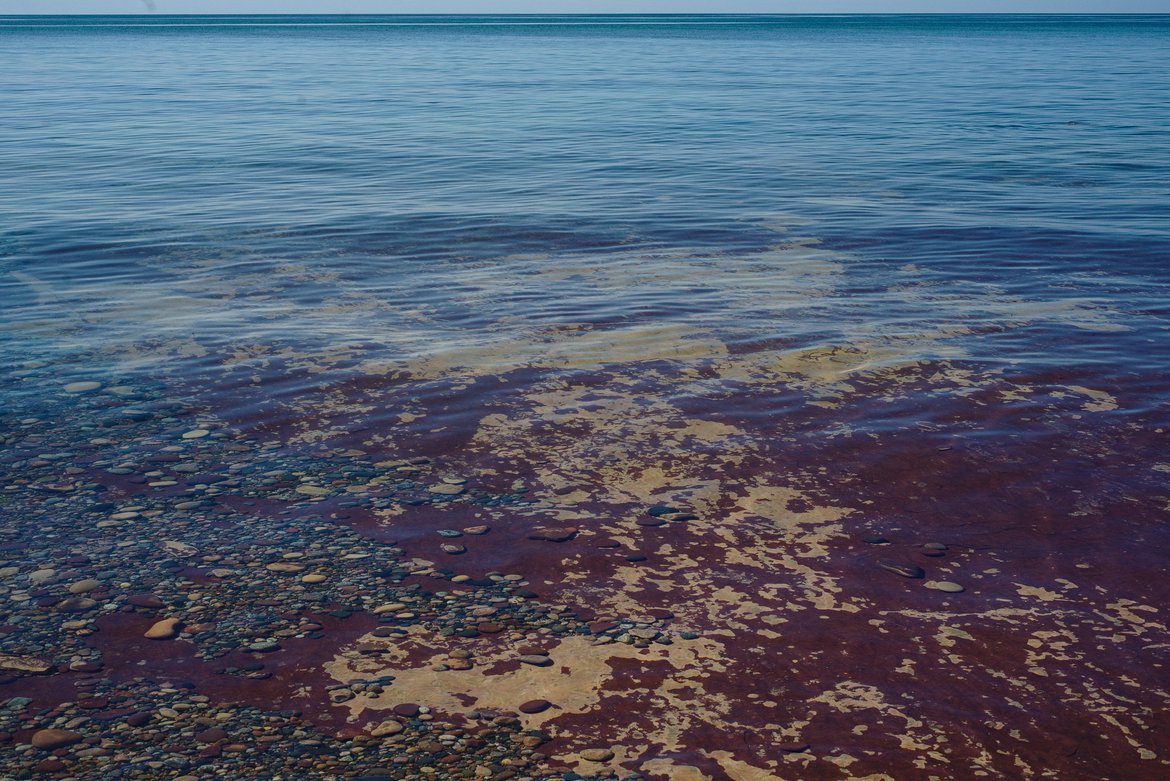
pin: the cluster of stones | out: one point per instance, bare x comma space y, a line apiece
147, 730
221, 576
906, 569
219, 547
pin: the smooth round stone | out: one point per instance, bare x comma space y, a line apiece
477, 530
198, 433
312, 490
597, 755
446, 489
284, 566
944, 585
905, 570
454, 550
82, 387
460, 653
534, 706
163, 630
651, 521
386, 729
407, 710
536, 660
49, 739
450, 533
82, 586
314, 578
932, 553
553, 535
935, 546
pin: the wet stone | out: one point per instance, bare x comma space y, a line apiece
903, 570
165, 629
875, 540
144, 600
453, 550
84, 386
49, 739
28, 664
660, 510
535, 660
944, 585
597, 755
553, 535
534, 706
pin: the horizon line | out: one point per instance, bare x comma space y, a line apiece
599, 13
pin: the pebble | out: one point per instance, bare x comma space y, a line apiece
597, 755
553, 535
312, 490
477, 530
82, 387
875, 540
285, 566
82, 586
28, 664
198, 433
935, 546
387, 728
163, 630
905, 570
453, 550
49, 739
446, 489
314, 578
944, 585
535, 660
177, 548
450, 533
535, 706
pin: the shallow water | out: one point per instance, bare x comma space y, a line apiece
811, 279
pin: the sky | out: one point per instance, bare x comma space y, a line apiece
580, 6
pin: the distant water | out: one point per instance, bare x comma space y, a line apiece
153, 164
811, 278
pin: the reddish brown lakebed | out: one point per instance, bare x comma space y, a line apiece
720, 566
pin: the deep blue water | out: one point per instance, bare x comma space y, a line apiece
402, 184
